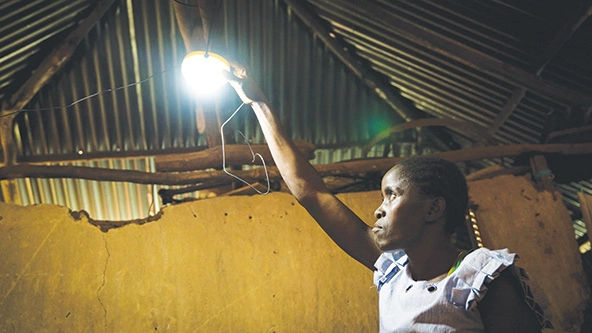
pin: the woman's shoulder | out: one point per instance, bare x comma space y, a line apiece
493, 272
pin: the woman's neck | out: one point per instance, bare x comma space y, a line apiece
427, 263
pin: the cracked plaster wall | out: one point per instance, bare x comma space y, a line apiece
247, 264
228, 264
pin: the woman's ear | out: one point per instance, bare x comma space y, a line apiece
436, 209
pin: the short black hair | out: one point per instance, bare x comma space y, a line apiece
437, 177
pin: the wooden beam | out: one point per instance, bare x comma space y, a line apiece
577, 134
467, 127
335, 169
542, 175
131, 176
507, 110
212, 157
352, 61
56, 59
48, 67
195, 19
191, 23
7, 139
466, 55
564, 34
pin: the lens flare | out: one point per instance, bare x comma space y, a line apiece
204, 72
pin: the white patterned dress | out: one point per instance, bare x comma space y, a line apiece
447, 303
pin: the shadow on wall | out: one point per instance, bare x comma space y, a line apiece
248, 264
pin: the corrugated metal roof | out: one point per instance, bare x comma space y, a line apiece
447, 87
137, 48
28, 30
135, 42
159, 114
570, 198
105, 201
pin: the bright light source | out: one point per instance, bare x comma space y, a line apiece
204, 72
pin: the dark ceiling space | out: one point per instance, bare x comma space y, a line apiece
95, 115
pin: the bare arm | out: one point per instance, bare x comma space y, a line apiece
307, 186
504, 309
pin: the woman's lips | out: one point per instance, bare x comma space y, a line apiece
377, 228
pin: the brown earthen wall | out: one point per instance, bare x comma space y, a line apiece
243, 264
229, 264
512, 214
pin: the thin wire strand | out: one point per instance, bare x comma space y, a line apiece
252, 153
216, 12
214, 19
83, 98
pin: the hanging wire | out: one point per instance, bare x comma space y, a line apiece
207, 50
252, 153
214, 19
84, 98
216, 12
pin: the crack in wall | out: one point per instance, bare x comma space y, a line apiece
105, 226
104, 281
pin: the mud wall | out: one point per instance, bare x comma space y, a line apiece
229, 264
512, 214
244, 264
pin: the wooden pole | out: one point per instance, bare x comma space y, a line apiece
354, 167
212, 157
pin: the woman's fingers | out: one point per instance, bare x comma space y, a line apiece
240, 85
237, 69
246, 89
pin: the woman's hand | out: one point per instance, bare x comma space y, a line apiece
247, 89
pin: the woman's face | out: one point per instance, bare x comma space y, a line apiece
401, 215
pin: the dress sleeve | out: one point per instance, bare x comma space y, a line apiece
476, 271
483, 266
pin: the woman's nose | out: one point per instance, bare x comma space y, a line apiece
379, 212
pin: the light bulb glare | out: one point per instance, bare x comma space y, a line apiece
204, 74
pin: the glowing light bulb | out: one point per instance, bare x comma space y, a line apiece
204, 72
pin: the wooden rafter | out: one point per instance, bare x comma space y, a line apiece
564, 34
367, 75
523, 79
335, 169
470, 57
57, 58
195, 20
507, 110
341, 50
212, 157
468, 127
41, 76
561, 37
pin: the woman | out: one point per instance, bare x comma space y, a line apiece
425, 284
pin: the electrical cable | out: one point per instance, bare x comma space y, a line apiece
214, 19
252, 153
83, 98
152, 76
216, 10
